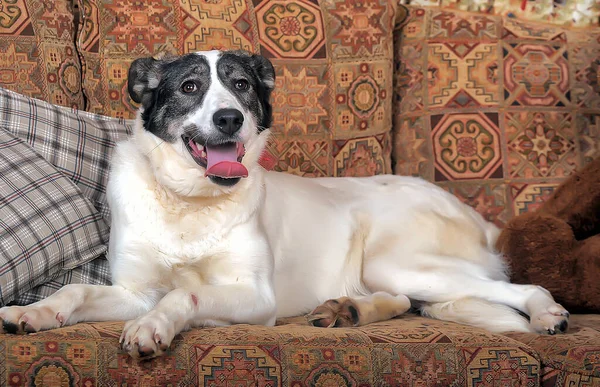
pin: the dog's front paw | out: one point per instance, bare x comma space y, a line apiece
339, 313
551, 320
148, 336
29, 319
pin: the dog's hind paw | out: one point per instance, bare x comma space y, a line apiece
552, 320
338, 313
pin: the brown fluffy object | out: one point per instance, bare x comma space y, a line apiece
558, 246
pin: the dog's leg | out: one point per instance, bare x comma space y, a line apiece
75, 303
353, 312
151, 334
451, 284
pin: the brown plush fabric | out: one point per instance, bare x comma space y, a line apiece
558, 246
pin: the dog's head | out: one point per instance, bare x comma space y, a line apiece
209, 107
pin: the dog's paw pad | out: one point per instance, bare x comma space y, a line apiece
340, 313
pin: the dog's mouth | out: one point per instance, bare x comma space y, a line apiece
221, 161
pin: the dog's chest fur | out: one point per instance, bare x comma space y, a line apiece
166, 230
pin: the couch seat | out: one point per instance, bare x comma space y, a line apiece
408, 350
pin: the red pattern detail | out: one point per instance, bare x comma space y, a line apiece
140, 22
360, 24
162, 371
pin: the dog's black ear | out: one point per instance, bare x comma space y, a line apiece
265, 71
266, 76
143, 78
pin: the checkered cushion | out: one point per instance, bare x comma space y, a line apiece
46, 225
96, 272
53, 211
77, 143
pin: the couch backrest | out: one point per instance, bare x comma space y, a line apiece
38, 57
494, 109
333, 60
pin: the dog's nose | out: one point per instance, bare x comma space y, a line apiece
228, 121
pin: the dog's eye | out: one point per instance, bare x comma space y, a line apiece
189, 87
242, 84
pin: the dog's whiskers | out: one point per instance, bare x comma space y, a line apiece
193, 138
152, 150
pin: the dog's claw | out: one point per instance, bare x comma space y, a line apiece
148, 336
334, 313
551, 320
28, 328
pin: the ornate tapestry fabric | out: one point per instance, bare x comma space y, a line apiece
409, 350
579, 13
572, 359
405, 351
495, 110
333, 59
37, 51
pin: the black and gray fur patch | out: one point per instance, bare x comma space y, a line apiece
259, 72
157, 85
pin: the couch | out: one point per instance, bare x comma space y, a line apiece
496, 109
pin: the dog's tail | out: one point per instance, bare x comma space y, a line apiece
479, 313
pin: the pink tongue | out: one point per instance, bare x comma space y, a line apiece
222, 161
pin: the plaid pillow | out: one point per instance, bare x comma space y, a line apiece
47, 226
77, 143
71, 149
96, 272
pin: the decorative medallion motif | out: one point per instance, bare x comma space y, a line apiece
466, 146
290, 29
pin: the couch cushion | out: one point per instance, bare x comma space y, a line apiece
95, 272
37, 51
406, 351
76, 143
333, 60
47, 226
74, 147
495, 110
571, 359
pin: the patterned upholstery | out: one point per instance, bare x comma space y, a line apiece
580, 13
495, 110
407, 351
37, 54
571, 360
333, 60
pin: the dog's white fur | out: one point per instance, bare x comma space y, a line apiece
187, 252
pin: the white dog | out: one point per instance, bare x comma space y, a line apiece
202, 235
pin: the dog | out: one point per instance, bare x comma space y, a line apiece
202, 235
